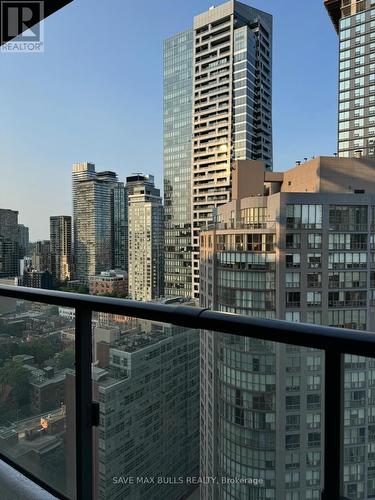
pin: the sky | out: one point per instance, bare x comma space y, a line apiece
95, 94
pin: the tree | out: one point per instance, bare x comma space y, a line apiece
7, 351
41, 348
66, 358
15, 376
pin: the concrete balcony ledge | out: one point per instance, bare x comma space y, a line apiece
13, 485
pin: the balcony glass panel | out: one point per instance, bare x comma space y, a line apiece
37, 391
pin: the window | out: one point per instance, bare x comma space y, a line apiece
313, 363
255, 218
293, 240
359, 82
347, 260
292, 441
344, 116
314, 299
314, 240
313, 477
314, 317
345, 23
314, 280
314, 260
292, 383
313, 458
293, 260
351, 241
292, 402
292, 479
344, 125
313, 401
293, 299
292, 460
313, 382
344, 106
350, 217
260, 242
347, 279
344, 34
348, 318
345, 45
352, 298
293, 316
313, 439
292, 280
345, 85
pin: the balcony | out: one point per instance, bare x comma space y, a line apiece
65, 447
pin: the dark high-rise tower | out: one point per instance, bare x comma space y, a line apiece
61, 247
178, 91
9, 247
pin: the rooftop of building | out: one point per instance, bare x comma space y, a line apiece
214, 13
324, 174
334, 11
112, 273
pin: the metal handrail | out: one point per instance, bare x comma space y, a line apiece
334, 341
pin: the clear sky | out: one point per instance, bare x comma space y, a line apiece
95, 94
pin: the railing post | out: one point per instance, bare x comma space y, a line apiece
333, 425
83, 384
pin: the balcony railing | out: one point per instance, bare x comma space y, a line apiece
335, 342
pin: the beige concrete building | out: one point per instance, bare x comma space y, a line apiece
298, 245
232, 100
145, 239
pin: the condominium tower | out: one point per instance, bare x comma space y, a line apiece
230, 49
119, 226
92, 224
99, 220
9, 245
145, 238
298, 246
61, 247
23, 240
354, 22
178, 92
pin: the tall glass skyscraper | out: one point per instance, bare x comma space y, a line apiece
92, 219
354, 22
217, 108
178, 68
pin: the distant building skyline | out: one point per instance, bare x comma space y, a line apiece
114, 115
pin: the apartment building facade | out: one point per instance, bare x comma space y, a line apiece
232, 103
300, 247
145, 239
217, 107
61, 247
354, 22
